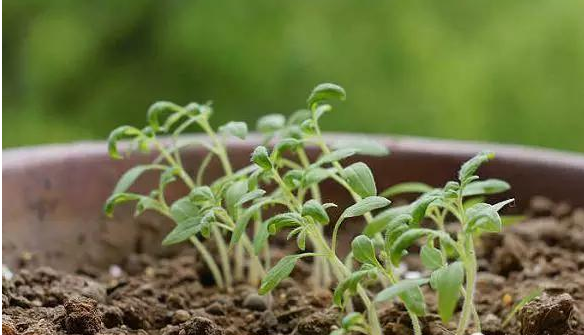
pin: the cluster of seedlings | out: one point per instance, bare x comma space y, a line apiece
280, 190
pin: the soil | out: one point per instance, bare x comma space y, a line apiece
176, 296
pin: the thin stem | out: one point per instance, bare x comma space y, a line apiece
470, 269
209, 260
203, 167
223, 255
220, 147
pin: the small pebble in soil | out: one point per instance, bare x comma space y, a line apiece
215, 309
115, 271
255, 302
180, 316
82, 316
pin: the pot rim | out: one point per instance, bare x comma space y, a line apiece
15, 158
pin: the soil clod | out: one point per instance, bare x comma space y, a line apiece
82, 316
547, 315
255, 302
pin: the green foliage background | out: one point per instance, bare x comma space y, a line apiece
506, 71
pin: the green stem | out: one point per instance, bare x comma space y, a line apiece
209, 260
470, 265
223, 255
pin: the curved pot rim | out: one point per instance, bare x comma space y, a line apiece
40, 154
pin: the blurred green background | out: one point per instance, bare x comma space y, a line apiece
505, 71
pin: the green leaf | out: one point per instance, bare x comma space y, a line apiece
468, 169
418, 208
352, 319
483, 187
485, 217
409, 237
299, 116
130, 176
118, 134
321, 109
116, 199
399, 288
168, 176
278, 273
326, 92
362, 146
293, 178
280, 221
237, 129
270, 123
334, 156
350, 283
234, 193
243, 220
284, 145
431, 257
447, 281
414, 300
157, 108
261, 158
365, 205
188, 221
201, 194
381, 220
146, 203
250, 196
360, 178
314, 176
407, 187
316, 211
261, 238
363, 250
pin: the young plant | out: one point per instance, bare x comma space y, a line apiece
208, 210
453, 264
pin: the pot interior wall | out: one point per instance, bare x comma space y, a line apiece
53, 195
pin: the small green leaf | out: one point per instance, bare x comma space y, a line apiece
270, 123
188, 221
334, 156
316, 211
293, 178
414, 300
447, 281
431, 257
352, 319
168, 176
365, 205
237, 129
201, 194
409, 237
130, 176
250, 196
280, 221
360, 178
485, 217
243, 220
407, 187
313, 176
381, 220
363, 250
418, 208
468, 169
301, 240
483, 187
299, 116
362, 146
284, 145
350, 283
118, 134
157, 108
399, 288
325, 92
261, 158
279, 272
116, 199
234, 193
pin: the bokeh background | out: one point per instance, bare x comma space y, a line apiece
497, 70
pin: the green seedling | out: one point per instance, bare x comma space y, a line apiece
224, 209
450, 259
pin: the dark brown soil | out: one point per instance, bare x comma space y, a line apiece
176, 297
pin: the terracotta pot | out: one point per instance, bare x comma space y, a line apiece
53, 195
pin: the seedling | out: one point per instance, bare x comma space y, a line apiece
223, 209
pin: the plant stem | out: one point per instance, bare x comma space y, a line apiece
209, 260
225, 266
470, 265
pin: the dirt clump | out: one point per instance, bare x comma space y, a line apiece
82, 316
547, 315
